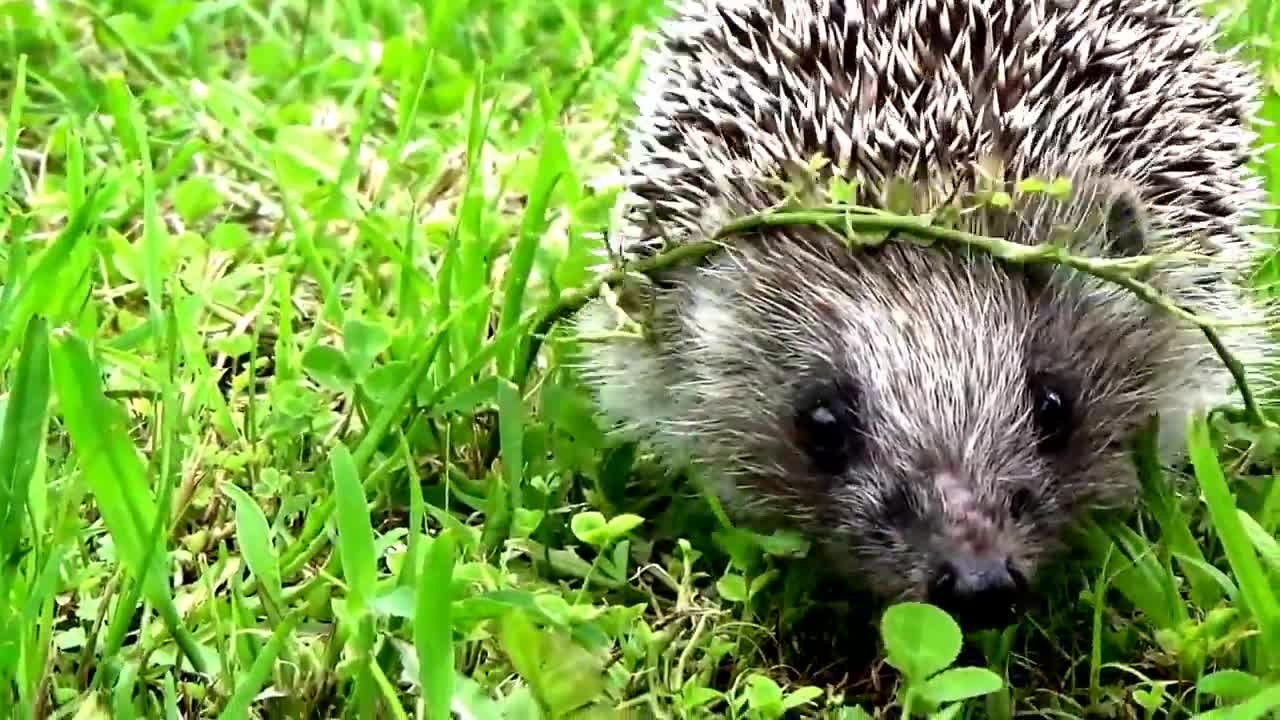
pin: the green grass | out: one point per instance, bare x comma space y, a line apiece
272, 268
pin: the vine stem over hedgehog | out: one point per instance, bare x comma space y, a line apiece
933, 416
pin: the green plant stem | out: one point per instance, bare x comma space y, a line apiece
571, 301
853, 222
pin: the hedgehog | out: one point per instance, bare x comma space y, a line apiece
935, 419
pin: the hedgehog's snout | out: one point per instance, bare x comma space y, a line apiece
980, 591
974, 576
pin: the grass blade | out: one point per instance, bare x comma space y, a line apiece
552, 163
131, 132
378, 430
433, 626
22, 435
460, 270
11, 128
1252, 580
21, 443
355, 531
238, 706
359, 569
43, 287
100, 438
1175, 529
511, 438
99, 433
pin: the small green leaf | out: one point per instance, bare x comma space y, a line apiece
233, 345
521, 642
694, 696
1059, 187
621, 525
562, 675
230, 236
900, 197
384, 381
588, 526
1149, 698
253, 535
785, 544
46, 283
800, 696
306, 158
742, 547
269, 59
1256, 707
196, 197
167, 17
920, 639
525, 522
763, 693
1031, 185
1230, 685
842, 191
328, 367
554, 607
762, 581
961, 683
732, 588
363, 342
572, 677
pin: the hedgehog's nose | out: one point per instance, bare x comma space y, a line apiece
979, 592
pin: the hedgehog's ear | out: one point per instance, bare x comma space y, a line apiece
1126, 224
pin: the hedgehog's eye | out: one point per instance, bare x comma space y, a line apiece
1052, 411
1019, 503
826, 426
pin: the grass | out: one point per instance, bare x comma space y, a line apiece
268, 449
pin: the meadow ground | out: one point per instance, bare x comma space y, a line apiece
226, 231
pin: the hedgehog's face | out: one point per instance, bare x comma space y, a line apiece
935, 421
954, 501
